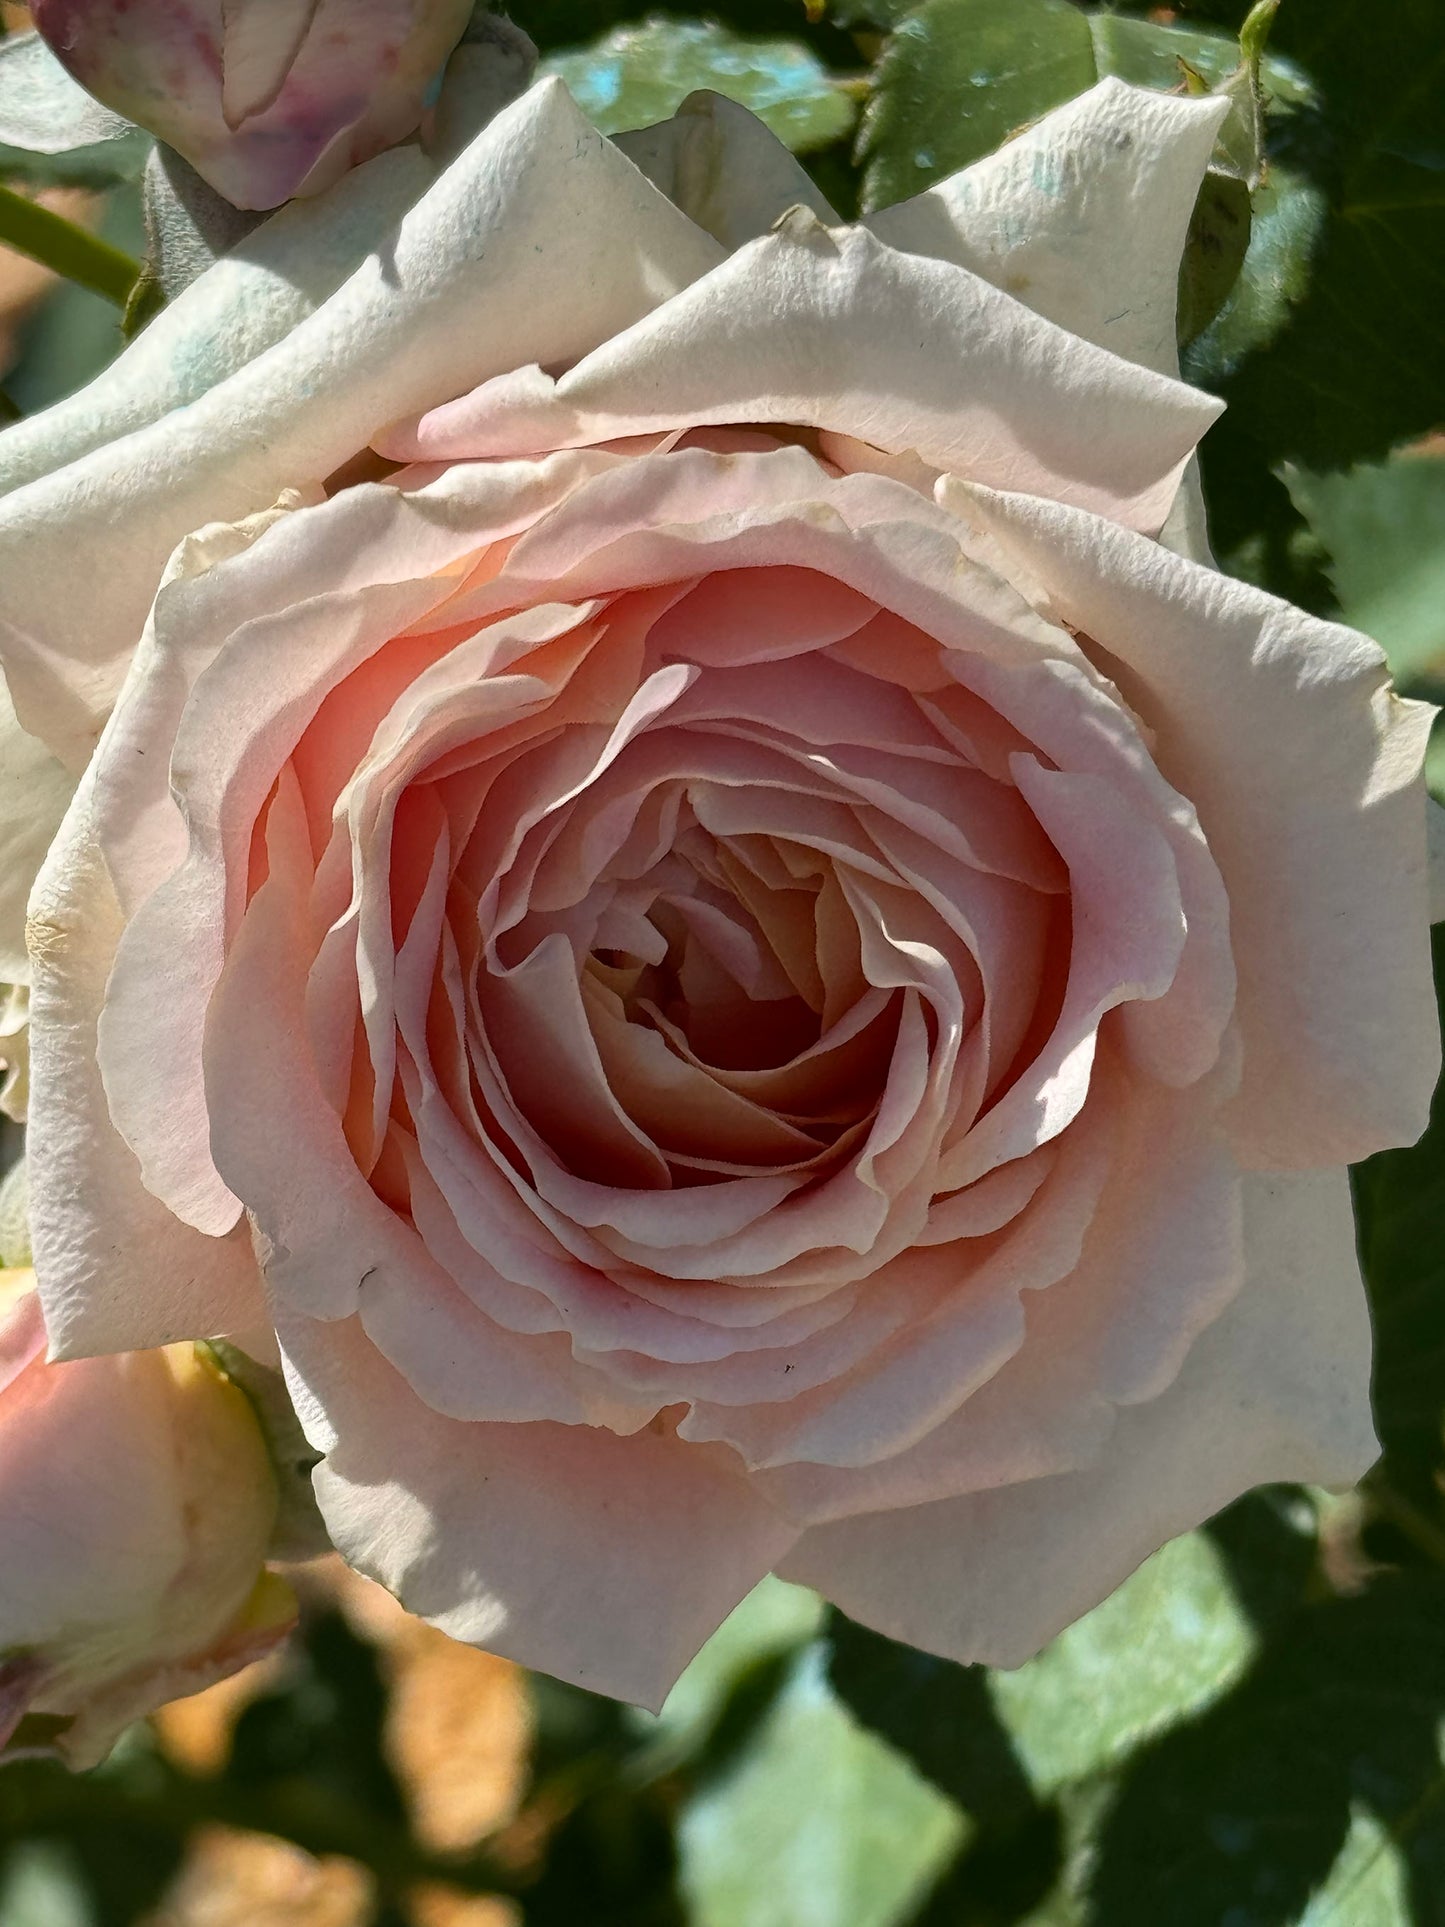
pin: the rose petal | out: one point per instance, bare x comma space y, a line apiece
1277, 1388
1082, 216
1304, 768
471, 1525
116, 1271
831, 328
480, 275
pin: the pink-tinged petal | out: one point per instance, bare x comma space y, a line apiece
826, 1445
1276, 1388
479, 276
181, 877
1127, 1251
471, 1526
1082, 216
464, 1366
116, 1270
1127, 936
137, 1503
263, 1624
1305, 771
1076, 720
265, 98
89, 1506
22, 1329
273, 1135
833, 329
224, 777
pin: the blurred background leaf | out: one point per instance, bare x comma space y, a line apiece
639, 74
815, 1824
1382, 526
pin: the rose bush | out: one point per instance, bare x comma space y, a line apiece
749, 971
136, 1507
265, 98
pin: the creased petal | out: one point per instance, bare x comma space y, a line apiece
1276, 1389
116, 1271
479, 276
831, 328
476, 1527
1082, 217
1305, 770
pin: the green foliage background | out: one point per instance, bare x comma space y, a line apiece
1249, 1733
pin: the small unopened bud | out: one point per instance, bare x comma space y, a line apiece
137, 1505
267, 99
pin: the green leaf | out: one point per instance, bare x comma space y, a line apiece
1244, 1812
816, 1823
637, 75
774, 1618
1359, 369
1400, 1209
941, 1716
1384, 529
41, 1886
1287, 217
1174, 1636
1169, 1641
1368, 1885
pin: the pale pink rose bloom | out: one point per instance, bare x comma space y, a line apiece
136, 1504
265, 98
772, 980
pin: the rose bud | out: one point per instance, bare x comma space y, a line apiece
266, 99
136, 1505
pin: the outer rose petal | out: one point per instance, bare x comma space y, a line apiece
252, 298
1305, 769
1276, 1389
35, 791
116, 1271
1082, 217
830, 328
478, 1527
480, 275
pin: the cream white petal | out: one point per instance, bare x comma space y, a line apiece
35, 791
115, 1270
829, 327
250, 299
1082, 217
480, 275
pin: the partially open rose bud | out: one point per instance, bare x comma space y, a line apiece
266, 99
136, 1506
